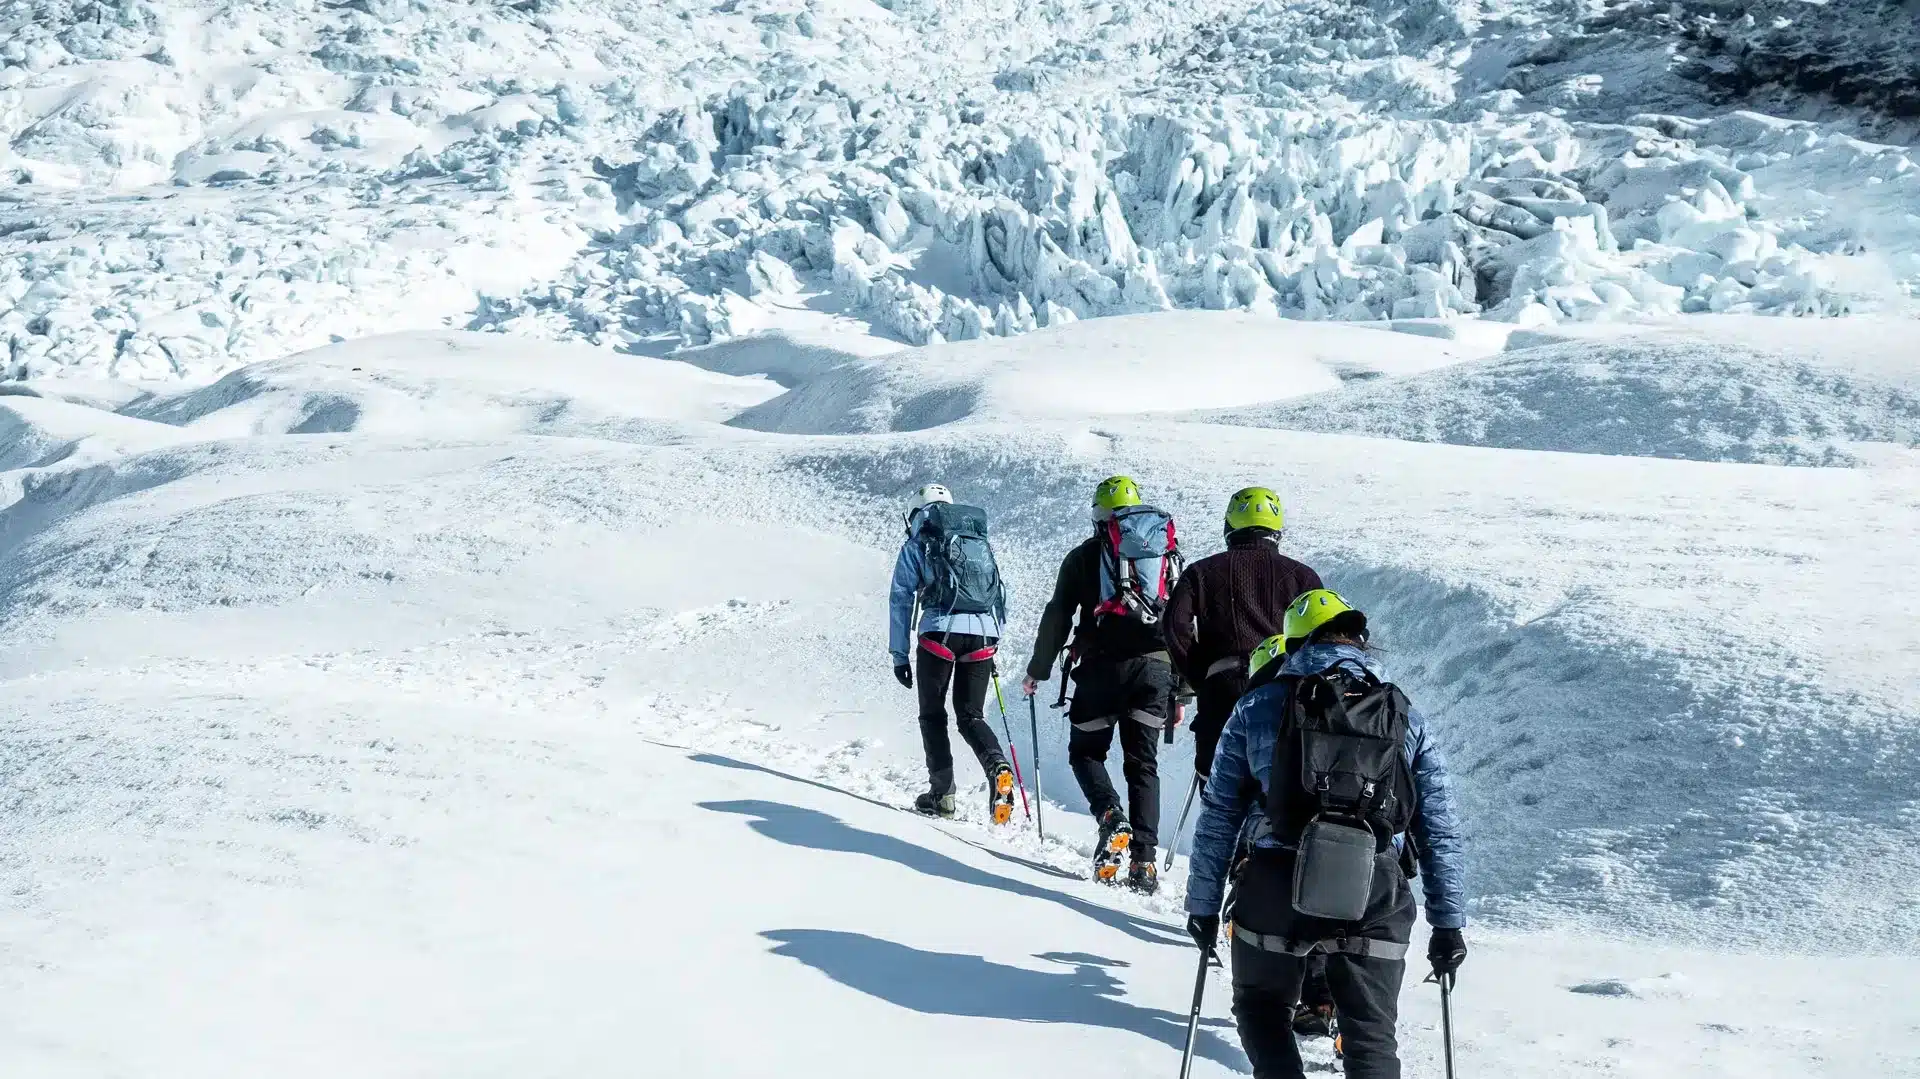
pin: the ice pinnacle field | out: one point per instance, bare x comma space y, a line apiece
452, 455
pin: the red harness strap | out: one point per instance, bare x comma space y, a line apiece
1118, 604
946, 653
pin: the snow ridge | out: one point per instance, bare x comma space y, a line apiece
1655, 398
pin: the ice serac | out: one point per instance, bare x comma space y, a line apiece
197, 188
1116, 209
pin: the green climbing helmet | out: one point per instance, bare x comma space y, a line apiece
1271, 650
1313, 611
1114, 492
1255, 507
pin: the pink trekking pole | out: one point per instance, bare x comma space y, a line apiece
1012, 753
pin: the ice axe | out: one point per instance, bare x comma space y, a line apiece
1446, 1018
1066, 672
1193, 1013
1172, 848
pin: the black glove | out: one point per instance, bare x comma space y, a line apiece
1206, 739
904, 672
1205, 930
1203, 759
1446, 951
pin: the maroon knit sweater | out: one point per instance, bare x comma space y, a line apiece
1227, 603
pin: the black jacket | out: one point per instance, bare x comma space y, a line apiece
1076, 592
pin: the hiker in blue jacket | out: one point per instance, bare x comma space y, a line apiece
1272, 941
946, 571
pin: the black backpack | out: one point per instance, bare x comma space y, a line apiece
1339, 788
963, 576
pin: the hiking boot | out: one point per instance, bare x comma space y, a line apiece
934, 805
1000, 794
1142, 877
1116, 835
1311, 1022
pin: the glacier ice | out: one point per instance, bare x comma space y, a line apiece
198, 187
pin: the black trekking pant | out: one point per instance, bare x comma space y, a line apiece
970, 683
1365, 989
1216, 695
1314, 993
1134, 696
1366, 1000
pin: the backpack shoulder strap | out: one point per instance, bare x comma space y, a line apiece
1283, 747
1360, 671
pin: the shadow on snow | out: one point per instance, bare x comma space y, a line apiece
748, 766
940, 983
810, 828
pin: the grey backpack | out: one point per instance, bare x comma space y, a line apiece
963, 576
1139, 563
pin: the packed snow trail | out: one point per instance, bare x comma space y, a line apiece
573, 902
317, 870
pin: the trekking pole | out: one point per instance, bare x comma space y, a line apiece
1033, 732
1182, 826
1007, 729
1446, 1020
1193, 1013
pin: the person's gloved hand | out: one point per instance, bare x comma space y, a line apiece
1205, 930
904, 672
1203, 757
1029, 685
1206, 739
1446, 951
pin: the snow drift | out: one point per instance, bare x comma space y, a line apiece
1693, 400
452, 384
1117, 366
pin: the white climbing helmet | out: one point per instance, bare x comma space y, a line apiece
927, 496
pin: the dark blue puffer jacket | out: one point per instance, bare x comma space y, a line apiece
1231, 807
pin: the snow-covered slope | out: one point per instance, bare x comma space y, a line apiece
374, 705
1615, 642
334, 862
